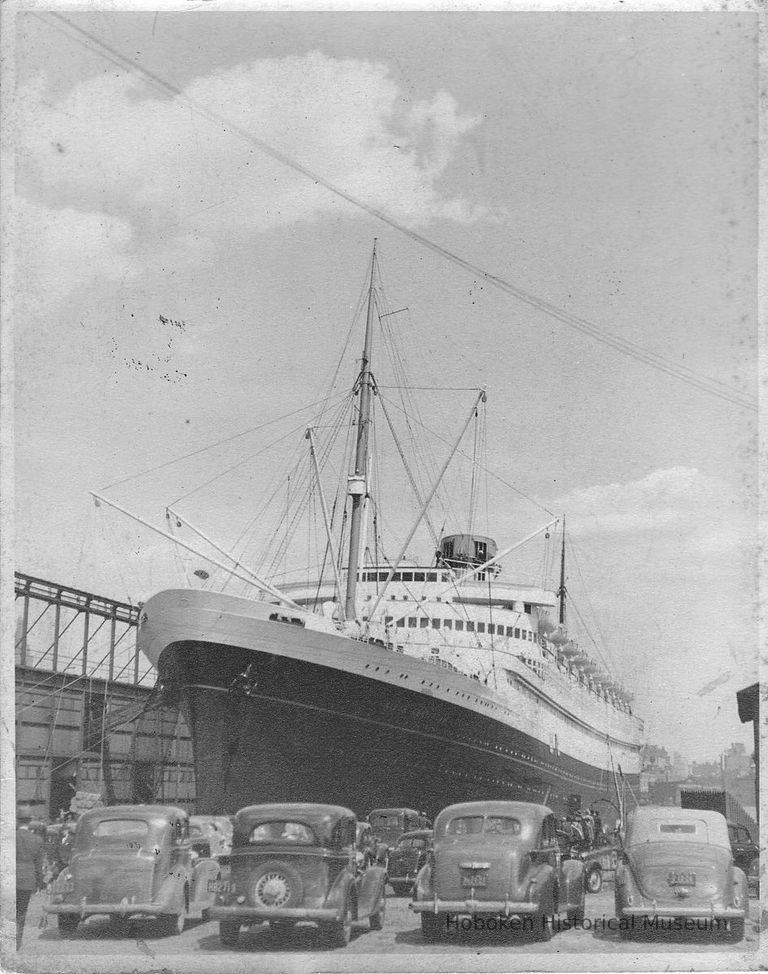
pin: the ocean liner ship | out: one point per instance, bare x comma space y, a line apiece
391, 682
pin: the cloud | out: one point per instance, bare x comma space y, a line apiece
676, 499
113, 144
59, 250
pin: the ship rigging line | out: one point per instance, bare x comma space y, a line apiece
227, 439
486, 469
677, 371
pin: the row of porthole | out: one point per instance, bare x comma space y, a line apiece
496, 747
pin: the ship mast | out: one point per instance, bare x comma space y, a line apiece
358, 481
561, 590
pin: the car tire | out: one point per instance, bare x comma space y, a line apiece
229, 933
736, 931
432, 927
594, 880
576, 915
338, 933
544, 926
284, 876
376, 920
67, 923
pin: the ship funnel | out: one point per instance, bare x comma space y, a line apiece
462, 552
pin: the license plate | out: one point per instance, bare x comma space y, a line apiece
219, 885
475, 881
681, 879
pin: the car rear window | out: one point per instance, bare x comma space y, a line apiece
118, 828
678, 827
282, 832
411, 844
475, 824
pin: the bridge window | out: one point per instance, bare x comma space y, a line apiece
418, 576
411, 622
448, 623
459, 625
527, 607
400, 623
435, 623
431, 576
423, 622
481, 627
407, 576
470, 626
491, 629
517, 633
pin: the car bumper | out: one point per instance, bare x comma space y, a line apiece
690, 912
498, 907
119, 909
410, 880
248, 913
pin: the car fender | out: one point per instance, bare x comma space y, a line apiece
540, 884
370, 891
338, 893
422, 887
170, 894
741, 886
203, 871
571, 884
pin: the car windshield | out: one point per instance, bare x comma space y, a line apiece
387, 821
412, 844
283, 832
490, 825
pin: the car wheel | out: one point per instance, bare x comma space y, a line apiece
338, 933
376, 920
229, 933
544, 926
576, 915
594, 880
432, 927
67, 923
736, 931
276, 885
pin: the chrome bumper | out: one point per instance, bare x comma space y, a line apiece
121, 909
498, 907
246, 913
692, 912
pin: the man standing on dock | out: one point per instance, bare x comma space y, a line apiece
29, 867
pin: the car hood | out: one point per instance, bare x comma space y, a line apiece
502, 868
658, 868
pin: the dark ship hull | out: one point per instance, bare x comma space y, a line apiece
270, 728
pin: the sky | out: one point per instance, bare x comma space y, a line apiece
177, 283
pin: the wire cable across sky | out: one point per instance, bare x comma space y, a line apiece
675, 370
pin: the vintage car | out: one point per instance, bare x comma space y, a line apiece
213, 829
599, 862
676, 865
497, 859
295, 862
133, 860
743, 847
389, 824
407, 858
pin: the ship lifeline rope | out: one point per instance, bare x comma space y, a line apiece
707, 384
